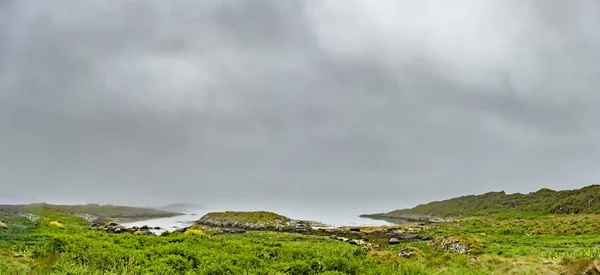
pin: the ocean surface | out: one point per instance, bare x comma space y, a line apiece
327, 218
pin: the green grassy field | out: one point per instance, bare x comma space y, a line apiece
522, 244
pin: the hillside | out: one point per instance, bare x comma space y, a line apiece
544, 201
89, 212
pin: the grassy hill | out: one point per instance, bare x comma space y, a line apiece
88, 210
544, 201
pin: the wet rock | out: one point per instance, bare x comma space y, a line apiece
180, 230
145, 227
393, 241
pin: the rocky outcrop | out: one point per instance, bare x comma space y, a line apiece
29, 216
452, 244
88, 217
262, 221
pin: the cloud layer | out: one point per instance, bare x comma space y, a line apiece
306, 102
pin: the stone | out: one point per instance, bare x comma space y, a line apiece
157, 228
113, 224
18, 255
406, 254
393, 241
354, 229
352, 242
342, 239
411, 252
118, 230
145, 227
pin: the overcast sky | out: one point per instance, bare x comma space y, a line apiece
351, 104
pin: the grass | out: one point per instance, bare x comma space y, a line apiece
100, 211
501, 244
247, 217
544, 201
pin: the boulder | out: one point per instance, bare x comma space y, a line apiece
393, 241
157, 228
355, 229
118, 230
342, 239
145, 227
113, 224
411, 252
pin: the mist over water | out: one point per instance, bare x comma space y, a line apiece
328, 218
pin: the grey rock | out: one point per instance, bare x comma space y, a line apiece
393, 241
406, 254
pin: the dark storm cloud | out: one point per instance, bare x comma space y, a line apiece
390, 104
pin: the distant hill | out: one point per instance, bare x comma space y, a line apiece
544, 201
181, 207
88, 211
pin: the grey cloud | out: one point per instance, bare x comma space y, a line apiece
325, 103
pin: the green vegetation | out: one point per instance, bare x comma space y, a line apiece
91, 211
250, 218
508, 244
544, 201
